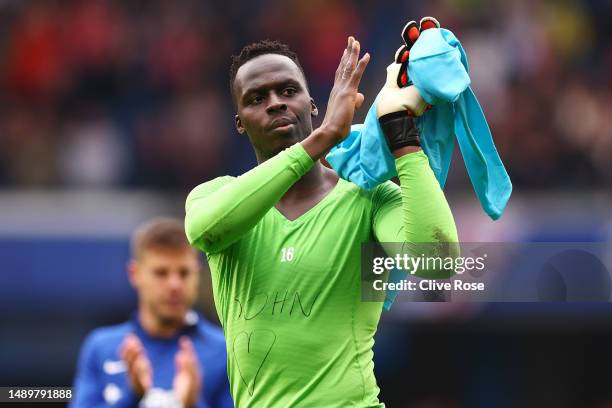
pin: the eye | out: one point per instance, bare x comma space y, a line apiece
160, 272
256, 99
184, 272
290, 91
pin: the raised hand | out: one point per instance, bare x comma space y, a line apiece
399, 100
398, 93
344, 98
187, 383
139, 371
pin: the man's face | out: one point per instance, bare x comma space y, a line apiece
166, 281
274, 106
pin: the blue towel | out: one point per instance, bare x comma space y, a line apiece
438, 67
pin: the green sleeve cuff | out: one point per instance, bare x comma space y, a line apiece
301, 162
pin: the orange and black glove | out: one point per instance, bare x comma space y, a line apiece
399, 101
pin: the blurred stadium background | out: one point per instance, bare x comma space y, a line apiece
111, 111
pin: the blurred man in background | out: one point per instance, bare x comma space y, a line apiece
166, 354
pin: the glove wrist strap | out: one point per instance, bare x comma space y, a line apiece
400, 130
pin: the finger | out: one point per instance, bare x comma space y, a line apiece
137, 342
186, 344
145, 373
359, 69
349, 43
179, 361
350, 53
141, 363
340, 65
352, 58
131, 342
403, 77
401, 58
185, 363
349, 49
359, 100
123, 347
133, 351
129, 352
189, 353
402, 54
147, 381
133, 372
428, 22
185, 351
410, 33
127, 342
142, 367
345, 56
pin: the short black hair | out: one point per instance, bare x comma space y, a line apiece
256, 49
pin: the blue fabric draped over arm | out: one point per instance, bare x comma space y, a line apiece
438, 67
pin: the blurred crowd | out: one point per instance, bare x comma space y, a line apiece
116, 93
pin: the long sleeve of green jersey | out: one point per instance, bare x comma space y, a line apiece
427, 226
220, 211
421, 206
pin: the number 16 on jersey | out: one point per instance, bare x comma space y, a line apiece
287, 254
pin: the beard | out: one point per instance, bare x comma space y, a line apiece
168, 319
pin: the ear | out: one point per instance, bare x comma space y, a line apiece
239, 126
132, 269
314, 111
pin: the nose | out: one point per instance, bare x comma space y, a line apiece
275, 104
175, 281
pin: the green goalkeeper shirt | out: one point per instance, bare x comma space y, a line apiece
288, 292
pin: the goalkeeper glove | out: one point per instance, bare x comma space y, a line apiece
399, 100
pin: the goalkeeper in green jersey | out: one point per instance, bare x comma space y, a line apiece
283, 240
